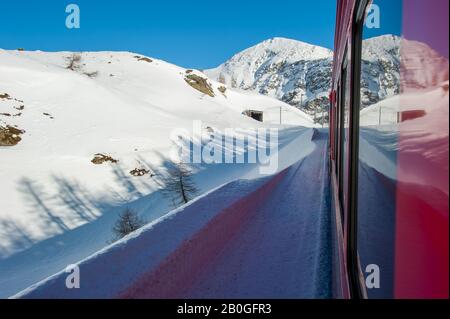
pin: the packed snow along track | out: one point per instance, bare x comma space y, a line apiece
273, 243
263, 238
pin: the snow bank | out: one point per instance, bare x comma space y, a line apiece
172, 248
109, 273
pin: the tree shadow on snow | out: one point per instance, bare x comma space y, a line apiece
71, 204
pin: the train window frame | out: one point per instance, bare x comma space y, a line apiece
343, 90
336, 127
338, 141
356, 279
337, 130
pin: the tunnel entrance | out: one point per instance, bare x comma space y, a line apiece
256, 115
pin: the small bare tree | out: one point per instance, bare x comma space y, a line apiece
179, 185
128, 222
73, 61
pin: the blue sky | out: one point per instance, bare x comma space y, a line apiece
196, 33
391, 12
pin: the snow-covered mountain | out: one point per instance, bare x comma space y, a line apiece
392, 64
422, 67
300, 74
380, 69
295, 72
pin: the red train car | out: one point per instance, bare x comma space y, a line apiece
389, 148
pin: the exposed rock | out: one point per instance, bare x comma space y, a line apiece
139, 172
102, 158
48, 115
143, 58
10, 136
222, 89
92, 74
200, 84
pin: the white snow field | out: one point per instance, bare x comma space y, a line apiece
254, 238
57, 207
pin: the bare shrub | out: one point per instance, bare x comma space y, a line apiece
73, 61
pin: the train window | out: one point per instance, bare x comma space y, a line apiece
378, 143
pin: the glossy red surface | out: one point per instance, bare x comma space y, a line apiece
421, 245
422, 238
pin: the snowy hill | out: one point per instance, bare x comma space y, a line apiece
74, 128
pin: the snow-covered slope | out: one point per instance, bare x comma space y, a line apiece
57, 206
